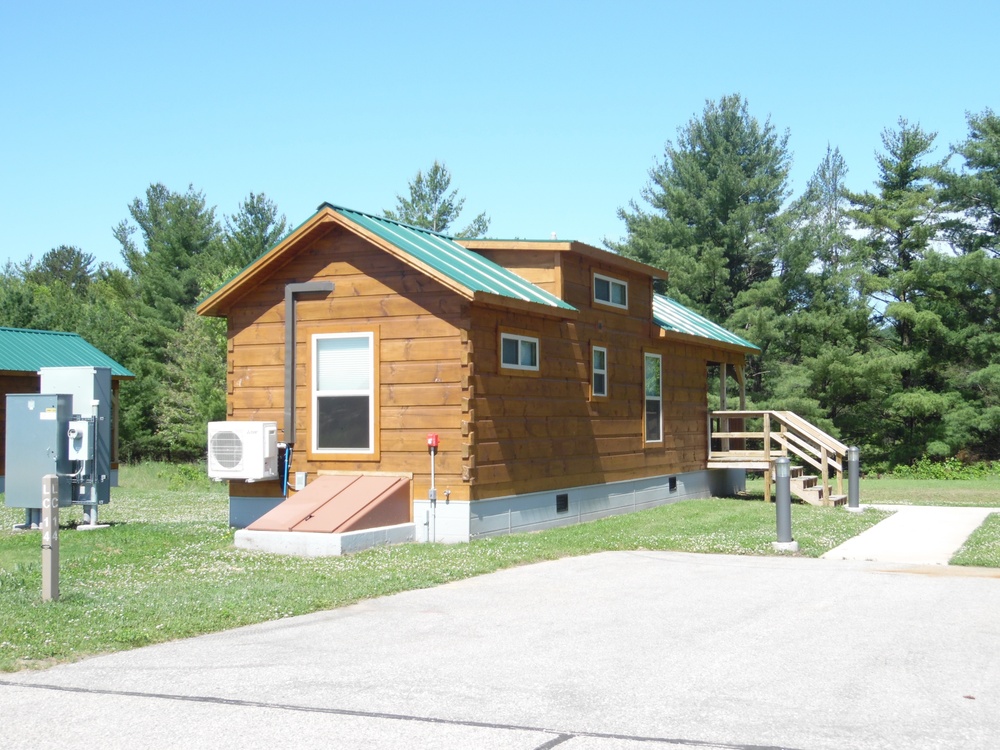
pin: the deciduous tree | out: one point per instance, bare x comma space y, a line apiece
64, 264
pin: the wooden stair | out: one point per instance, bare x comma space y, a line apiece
807, 488
733, 445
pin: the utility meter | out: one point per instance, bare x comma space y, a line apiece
81, 440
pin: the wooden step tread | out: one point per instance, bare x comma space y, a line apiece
738, 464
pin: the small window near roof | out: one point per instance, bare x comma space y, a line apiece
610, 291
518, 352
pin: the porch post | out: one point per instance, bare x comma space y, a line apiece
724, 421
740, 425
767, 457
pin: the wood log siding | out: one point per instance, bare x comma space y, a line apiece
419, 358
545, 433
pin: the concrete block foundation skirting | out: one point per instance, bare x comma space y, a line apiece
462, 521
311, 544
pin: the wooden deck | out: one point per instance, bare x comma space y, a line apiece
752, 440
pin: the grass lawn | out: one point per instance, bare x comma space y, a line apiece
977, 492
983, 547
167, 568
893, 491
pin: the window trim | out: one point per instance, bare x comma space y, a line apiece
611, 282
594, 395
647, 356
520, 338
373, 452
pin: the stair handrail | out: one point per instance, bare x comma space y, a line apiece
808, 427
801, 437
813, 454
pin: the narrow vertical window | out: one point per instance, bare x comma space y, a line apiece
654, 398
343, 395
599, 372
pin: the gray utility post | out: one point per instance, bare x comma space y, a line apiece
853, 479
50, 538
783, 506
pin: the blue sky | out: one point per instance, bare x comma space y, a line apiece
548, 114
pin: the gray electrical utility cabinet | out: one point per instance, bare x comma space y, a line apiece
36, 446
89, 432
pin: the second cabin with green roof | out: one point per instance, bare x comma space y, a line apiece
560, 386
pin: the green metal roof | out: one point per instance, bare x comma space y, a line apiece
24, 350
673, 316
450, 259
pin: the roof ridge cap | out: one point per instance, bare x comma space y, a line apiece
39, 330
425, 230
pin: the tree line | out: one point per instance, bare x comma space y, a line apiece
876, 312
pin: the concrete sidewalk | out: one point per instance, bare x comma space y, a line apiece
913, 534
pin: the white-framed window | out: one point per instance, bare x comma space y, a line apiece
518, 352
343, 393
610, 291
654, 398
599, 372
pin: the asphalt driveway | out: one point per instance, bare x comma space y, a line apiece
615, 650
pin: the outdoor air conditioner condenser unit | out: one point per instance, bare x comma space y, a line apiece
243, 450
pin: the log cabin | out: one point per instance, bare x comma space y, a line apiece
561, 387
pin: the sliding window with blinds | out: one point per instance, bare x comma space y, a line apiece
343, 393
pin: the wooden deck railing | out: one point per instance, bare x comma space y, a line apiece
733, 444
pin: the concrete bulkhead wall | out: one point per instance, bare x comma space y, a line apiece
462, 521
313, 544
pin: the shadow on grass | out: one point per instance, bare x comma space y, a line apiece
757, 496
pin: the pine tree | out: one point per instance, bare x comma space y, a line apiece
974, 192
901, 222
714, 206
431, 206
